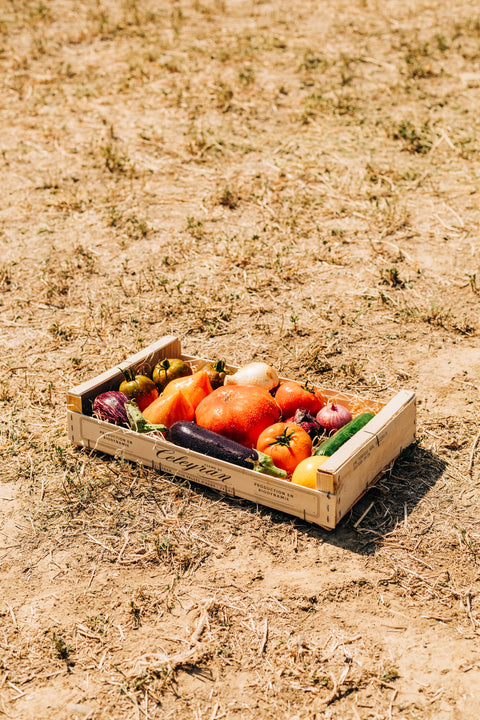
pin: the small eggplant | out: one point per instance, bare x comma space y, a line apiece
193, 437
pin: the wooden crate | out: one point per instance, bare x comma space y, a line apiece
341, 480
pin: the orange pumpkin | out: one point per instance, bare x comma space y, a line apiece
167, 410
195, 387
238, 412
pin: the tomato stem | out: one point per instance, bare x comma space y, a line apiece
266, 465
284, 438
139, 423
128, 374
309, 387
219, 366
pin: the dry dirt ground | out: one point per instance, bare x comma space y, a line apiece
295, 182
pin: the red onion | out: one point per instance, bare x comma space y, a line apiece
306, 421
110, 407
333, 416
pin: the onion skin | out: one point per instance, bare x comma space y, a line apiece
110, 407
255, 373
333, 416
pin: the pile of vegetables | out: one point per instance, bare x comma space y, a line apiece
249, 417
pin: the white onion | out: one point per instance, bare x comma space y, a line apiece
333, 416
254, 373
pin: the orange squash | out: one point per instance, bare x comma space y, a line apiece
238, 412
167, 410
194, 387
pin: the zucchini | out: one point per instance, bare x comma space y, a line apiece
193, 437
345, 433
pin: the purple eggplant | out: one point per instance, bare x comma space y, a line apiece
193, 437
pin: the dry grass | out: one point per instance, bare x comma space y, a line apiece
296, 184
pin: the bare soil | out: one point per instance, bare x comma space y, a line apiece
291, 182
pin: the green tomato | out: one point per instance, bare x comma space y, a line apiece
169, 369
216, 373
139, 387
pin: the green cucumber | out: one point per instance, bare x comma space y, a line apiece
345, 433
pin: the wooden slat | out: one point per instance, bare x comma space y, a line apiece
327, 511
217, 474
361, 470
167, 346
74, 403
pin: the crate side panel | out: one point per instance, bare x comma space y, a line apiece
402, 402
180, 462
330, 474
363, 469
398, 403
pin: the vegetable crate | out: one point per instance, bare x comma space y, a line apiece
341, 480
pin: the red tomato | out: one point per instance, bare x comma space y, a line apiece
286, 443
238, 412
292, 395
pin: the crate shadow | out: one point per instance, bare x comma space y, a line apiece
387, 504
